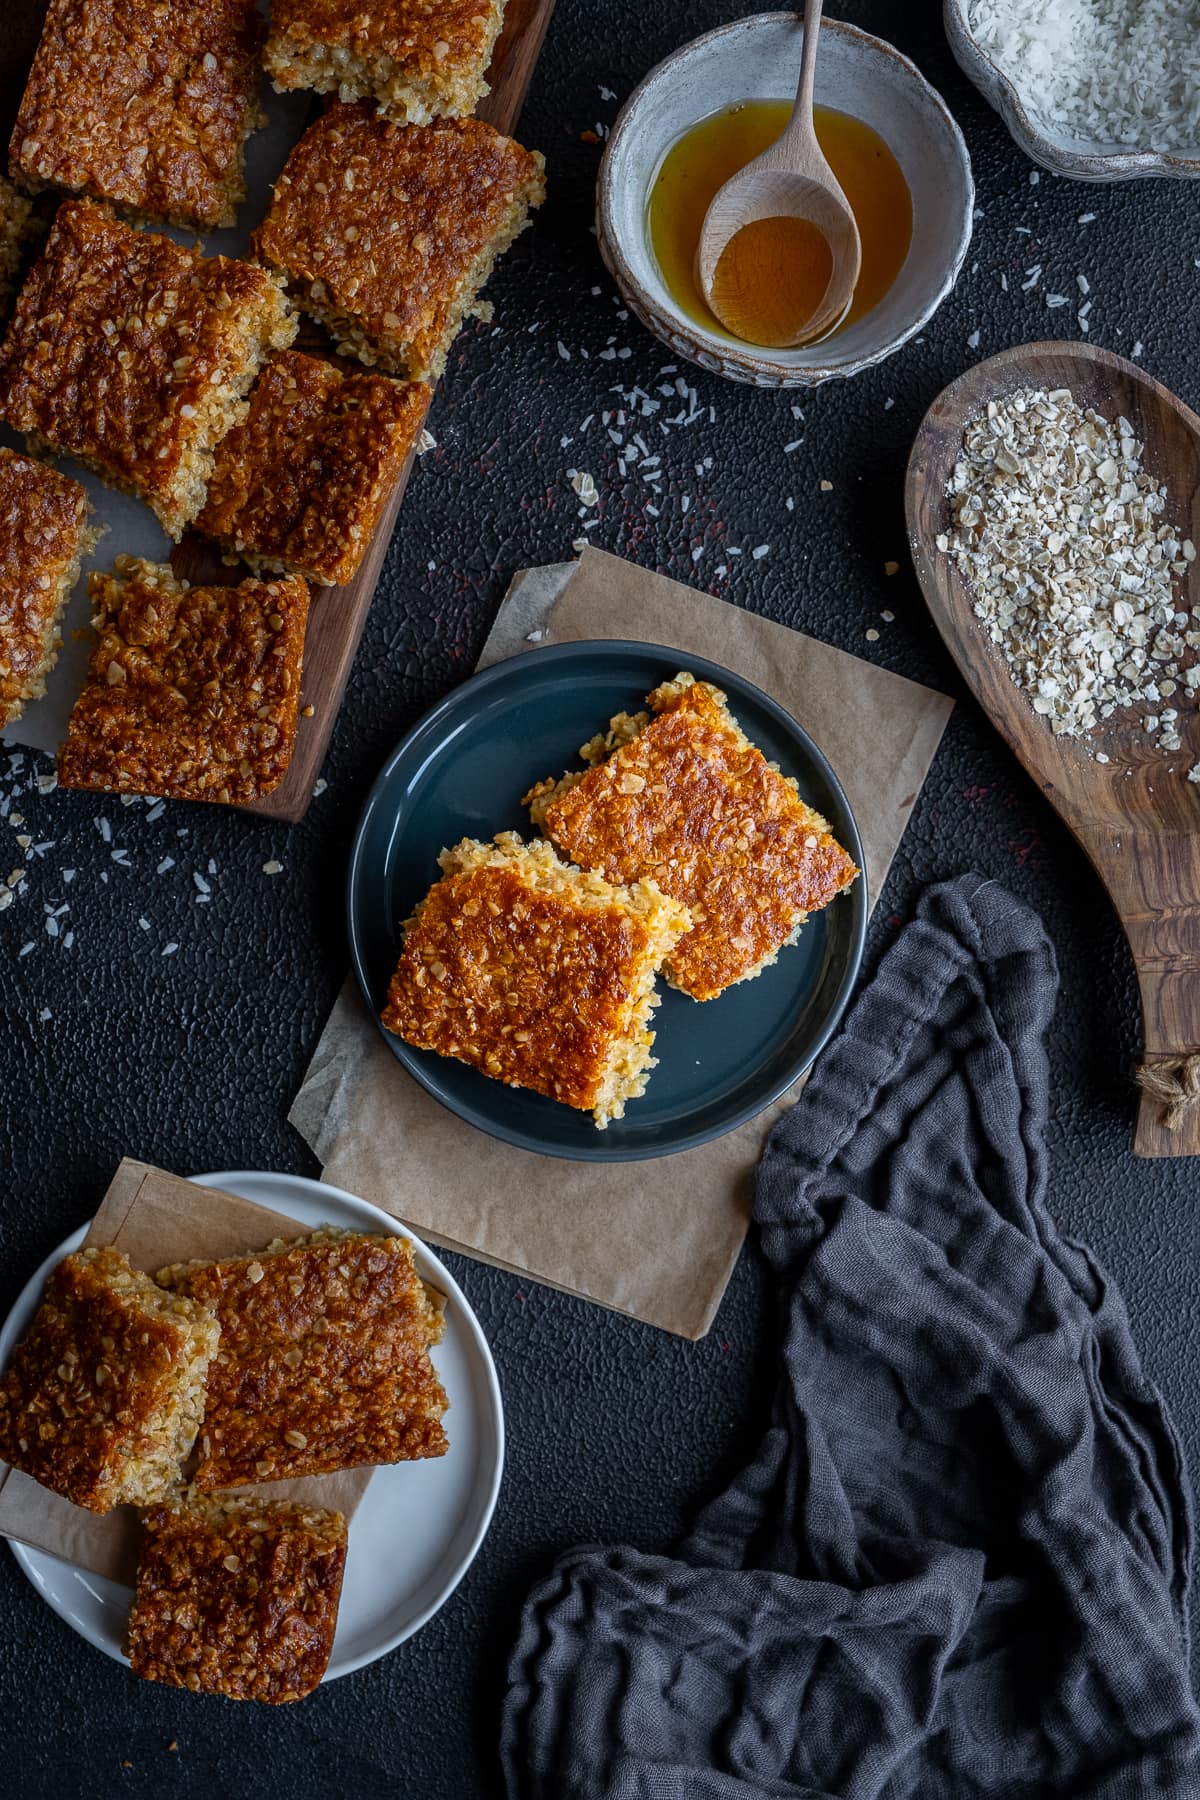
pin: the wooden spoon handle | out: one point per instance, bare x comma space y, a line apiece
800, 125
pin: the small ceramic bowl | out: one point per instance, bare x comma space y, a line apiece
759, 59
1063, 153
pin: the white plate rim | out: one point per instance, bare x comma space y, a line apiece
227, 1179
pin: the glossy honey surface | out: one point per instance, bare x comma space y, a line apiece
704, 158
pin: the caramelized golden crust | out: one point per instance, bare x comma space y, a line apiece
238, 1598
414, 58
302, 482
144, 103
192, 693
104, 1396
16, 228
534, 973
690, 803
324, 1359
43, 535
131, 354
388, 232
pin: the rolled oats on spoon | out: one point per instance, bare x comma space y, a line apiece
1057, 529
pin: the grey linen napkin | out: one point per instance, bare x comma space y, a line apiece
958, 1565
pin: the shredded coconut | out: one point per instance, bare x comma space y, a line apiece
1057, 530
1118, 72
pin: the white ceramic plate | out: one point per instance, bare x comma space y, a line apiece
419, 1525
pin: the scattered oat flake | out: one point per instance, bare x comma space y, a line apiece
827, 487
272, 868
872, 635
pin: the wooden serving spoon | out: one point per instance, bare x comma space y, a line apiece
1139, 825
790, 180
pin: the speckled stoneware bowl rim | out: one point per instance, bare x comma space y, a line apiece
1000, 90
743, 362
424, 739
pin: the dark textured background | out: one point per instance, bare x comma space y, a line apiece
190, 1060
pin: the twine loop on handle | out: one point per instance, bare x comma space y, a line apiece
1175, 1085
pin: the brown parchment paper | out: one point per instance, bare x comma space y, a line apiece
659, 1239
156, 1219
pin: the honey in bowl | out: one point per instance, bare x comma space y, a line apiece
771, 272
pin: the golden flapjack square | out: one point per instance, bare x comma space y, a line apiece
133, 355
192, 692
104, 1395
144, 103
387, 233
535, 973
302, 482
238, 1597
681, 797
416, 59
44, 534
324, 1361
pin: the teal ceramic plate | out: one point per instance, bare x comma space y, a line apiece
461, 772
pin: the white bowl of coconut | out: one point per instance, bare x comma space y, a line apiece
1100, 90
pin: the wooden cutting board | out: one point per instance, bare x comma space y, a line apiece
1139, 825
338, 615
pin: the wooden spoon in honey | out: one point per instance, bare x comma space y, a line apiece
1139, 825
779, 254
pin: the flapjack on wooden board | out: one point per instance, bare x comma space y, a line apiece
338, 614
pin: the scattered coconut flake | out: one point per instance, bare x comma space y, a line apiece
584, 486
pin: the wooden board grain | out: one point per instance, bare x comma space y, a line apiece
338, 615
1139, 824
